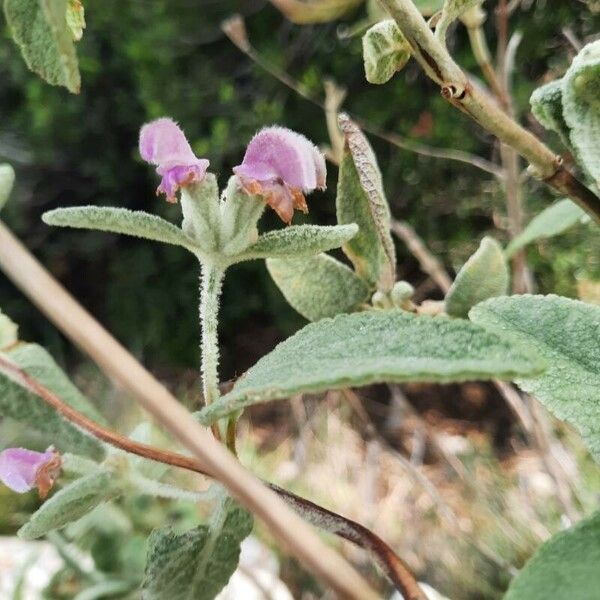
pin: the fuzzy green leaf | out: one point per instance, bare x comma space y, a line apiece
21, 405
566, 566
7, 180
566, 333
547, 108
372, 347
201, 209
361, 200
119, 220
484, 275
70, 504
40, 29
299, 241
451, 11
385, 51
581, 107
8, 332
550, 222
75, 19
197, 563
319, 286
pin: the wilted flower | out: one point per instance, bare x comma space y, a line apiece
281, 166
21, 470
163, 143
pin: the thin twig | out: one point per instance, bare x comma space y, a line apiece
212, 458
385, 557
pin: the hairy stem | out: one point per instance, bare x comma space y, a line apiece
391, 563
477, 104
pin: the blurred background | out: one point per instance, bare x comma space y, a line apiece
143, 59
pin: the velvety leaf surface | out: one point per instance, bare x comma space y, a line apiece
484, 275
7, 180
196, 564
376, 346
566, 566
300, 240
567, 333
361, 200
119, 220
40, 29
69, 504
23, 406
452, 10
547, 108
319, 286
581, 107
385, 51
550, 222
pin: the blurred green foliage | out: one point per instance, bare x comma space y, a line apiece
147, 58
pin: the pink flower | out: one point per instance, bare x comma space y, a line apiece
281, 166
163, 143
21, 470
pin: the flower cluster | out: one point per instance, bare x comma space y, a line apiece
22, 470
280, 165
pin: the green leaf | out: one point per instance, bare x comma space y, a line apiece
7, 180
550, 222
372, 347
566, 333
484, 275
385, 51
8, 332
299, 241
547, 107
201, 209
451, 11
361, 200
581, 107
566, 566
319, 286
429, 7
39, 27
119, 220
70, 504
196, 564
21, 405
75, 19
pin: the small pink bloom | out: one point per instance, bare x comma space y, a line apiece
282, 165
162, 143
21, 470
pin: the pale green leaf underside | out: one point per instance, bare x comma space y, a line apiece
197, 564
119, 220
319, 286
581, 106
483, 276
552, 221
567, 334
300, 240
547, 108
70, 504
39, 27
451, 11
7, 180
566, 566
375, 346
8, 331
21, 405
385, 51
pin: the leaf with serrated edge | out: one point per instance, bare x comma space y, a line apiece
385, 51
70, 504
552, 221
299, 240
484, 275
7, 180
566, 566
119, 220
581, 108
39, 27
319, 286
197, 563
21, 405
566, 333
361, 200
373, 347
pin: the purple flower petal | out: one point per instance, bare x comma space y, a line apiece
282, 165
163, 143
21, 470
